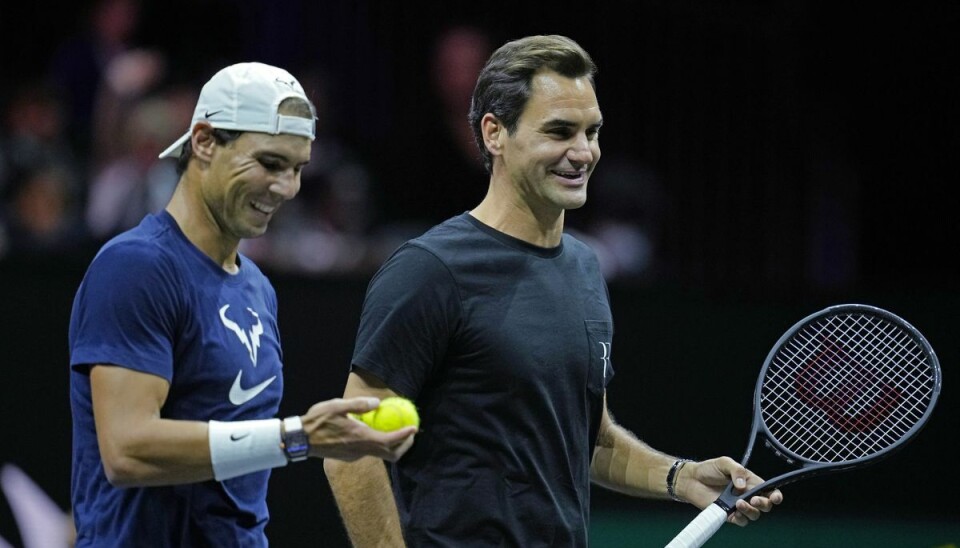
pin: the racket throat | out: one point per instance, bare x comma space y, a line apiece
727, 500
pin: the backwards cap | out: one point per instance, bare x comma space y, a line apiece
246, 97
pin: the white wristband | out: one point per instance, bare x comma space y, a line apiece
242, 447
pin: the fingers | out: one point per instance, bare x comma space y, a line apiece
394, 453
396, 436
737, 518
743, 479
366, 442
752, 510
389, 446
774, 497
356, 440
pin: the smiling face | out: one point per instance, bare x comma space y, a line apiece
555, 147
250, 178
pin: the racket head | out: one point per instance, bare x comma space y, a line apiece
843, 387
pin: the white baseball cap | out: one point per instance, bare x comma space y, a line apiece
246, 97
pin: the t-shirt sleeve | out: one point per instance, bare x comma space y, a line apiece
125, 313
410, 313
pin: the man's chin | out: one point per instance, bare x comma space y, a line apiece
250, 232
574, 202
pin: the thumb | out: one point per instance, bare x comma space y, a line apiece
732, 470
354, 405
399, 435
738, 475
363, 404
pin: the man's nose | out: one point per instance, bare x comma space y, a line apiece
286, 184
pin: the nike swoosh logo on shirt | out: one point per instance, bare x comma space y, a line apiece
240, 395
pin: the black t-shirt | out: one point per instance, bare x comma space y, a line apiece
505, 348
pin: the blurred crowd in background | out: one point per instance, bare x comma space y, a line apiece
79, 145
746, 146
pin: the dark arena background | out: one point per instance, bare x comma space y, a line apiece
761, 160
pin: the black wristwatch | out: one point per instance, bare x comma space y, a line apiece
295, 443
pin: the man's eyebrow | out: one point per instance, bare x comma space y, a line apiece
562, 123
276, 156
270, 155
558, 122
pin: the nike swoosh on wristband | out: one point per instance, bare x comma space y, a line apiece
240, 395
237, 437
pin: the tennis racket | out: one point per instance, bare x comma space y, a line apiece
843, 388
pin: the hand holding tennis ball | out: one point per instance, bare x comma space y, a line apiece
393, 414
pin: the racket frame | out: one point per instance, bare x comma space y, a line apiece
808, 468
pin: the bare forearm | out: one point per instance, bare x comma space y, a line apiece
157, 452
363, 495
623, 463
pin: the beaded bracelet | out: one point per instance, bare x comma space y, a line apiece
672, 478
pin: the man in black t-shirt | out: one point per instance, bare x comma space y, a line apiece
498, 326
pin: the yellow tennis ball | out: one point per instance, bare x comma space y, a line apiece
393, 414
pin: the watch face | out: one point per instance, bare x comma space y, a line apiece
297, 446
295, 442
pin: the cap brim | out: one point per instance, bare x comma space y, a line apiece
173, 151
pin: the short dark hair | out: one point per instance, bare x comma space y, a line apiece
503, 87
291, 106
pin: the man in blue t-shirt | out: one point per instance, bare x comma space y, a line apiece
176, 365
498, 325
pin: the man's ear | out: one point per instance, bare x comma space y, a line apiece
203, 142
493, 132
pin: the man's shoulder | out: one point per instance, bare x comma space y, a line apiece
577, 246
446, 237
432, 253
454, 227
148, 243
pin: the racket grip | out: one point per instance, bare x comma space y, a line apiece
700, 529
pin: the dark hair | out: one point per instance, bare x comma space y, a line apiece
291, 106
503, 86
222, 136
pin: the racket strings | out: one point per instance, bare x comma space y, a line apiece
845, 387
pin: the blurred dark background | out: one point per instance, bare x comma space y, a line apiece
761, 160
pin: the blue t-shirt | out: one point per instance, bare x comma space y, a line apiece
154, 303
505, 348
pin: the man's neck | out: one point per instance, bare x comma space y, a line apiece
198, 225
506, 212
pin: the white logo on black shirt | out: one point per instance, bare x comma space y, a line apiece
605, 358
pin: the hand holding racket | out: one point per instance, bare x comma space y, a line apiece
841, 389
705, 480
